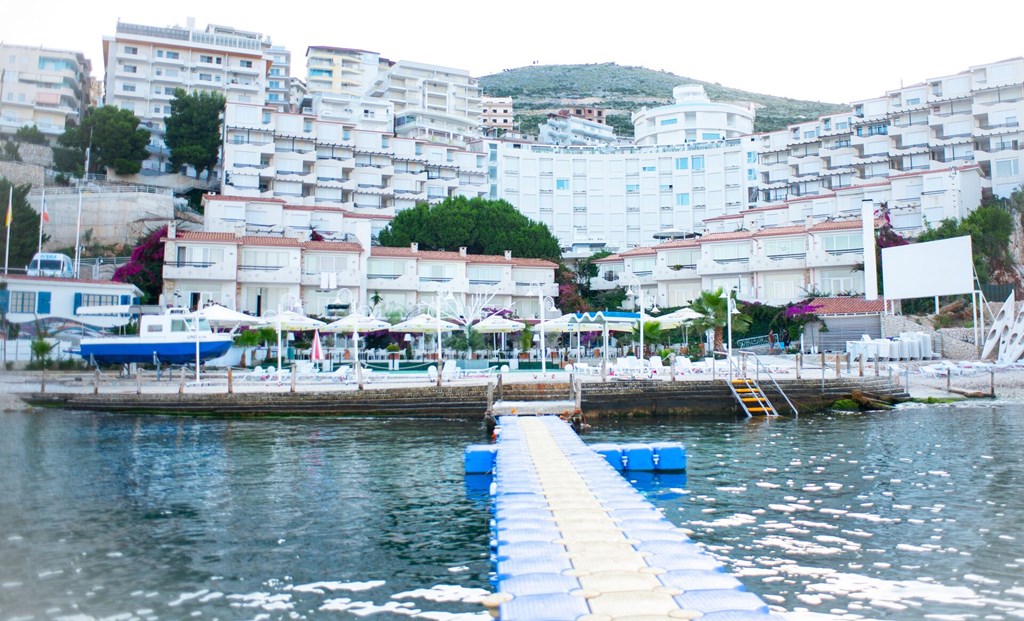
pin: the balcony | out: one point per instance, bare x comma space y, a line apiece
199, 270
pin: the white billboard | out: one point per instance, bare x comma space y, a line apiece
943, 267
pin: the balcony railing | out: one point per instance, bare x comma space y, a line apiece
200, 264
260, 268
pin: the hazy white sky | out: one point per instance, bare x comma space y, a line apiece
820, 50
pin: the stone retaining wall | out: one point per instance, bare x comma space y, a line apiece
951, 343
462, 401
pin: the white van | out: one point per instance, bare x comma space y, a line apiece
51, 264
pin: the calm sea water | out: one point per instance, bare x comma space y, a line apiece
911, 514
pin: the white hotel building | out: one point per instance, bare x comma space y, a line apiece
769, 205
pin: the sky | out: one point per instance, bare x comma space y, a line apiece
817, 50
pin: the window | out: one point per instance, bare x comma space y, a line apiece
159, 53
128, 88
780, 247
205, 77
173, 55
131, 49
632, 188
22, 302
751, 174
1007, 168
731, 252
316, 263
205, 58
683, 199
698, 162
846, 242
682, 163
710, 136
665, 187
98, 299
266, 117
130, 68
751, 157
648, 169
562, 184
669, 121
245, 63
275, 84
307, 125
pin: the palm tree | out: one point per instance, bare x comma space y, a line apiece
653, 335
714, 308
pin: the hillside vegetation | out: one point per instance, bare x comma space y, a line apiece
537, 90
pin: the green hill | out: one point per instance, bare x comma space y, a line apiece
539, 89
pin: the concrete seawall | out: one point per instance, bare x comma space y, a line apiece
453, 400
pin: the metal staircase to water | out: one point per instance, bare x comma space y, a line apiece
747, 390
751, 398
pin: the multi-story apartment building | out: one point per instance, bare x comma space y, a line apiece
279, 81
944, 122
620, 197
776, 255
692, 118
596, 115
145, 64
565, 129
498, 115
42, 87
432, 103
341, 154
258, 254
342, 70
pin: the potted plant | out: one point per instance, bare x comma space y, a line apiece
525, 343
393, 349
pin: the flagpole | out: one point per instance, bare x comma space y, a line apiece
10, 217
78, 227
42, 214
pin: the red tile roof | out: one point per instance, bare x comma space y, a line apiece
333, 246
781, 230
678, 243
68, 281
847, 306
717, 237
639, 251
610, 258
446, 255
269, 240
204, 236
728, 216
244, 199
839, 225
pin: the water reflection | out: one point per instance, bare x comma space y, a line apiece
903, 515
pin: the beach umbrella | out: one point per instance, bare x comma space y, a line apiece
676, 318
222, 317
316, 351
425, 324
356, 323
496, 324
610, 321
289, 321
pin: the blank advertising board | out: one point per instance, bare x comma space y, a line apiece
943, 267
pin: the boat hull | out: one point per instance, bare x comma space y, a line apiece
124, 350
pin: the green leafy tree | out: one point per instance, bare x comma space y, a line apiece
11, 152
482, 226
145, 268
247, 339
31, 135
24, 224
115, 137
990, 227
714, 309
193, 129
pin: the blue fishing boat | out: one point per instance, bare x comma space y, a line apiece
174, 337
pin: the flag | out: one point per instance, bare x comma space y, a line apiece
46, 214
10, 208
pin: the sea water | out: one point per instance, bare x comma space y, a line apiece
908, 514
